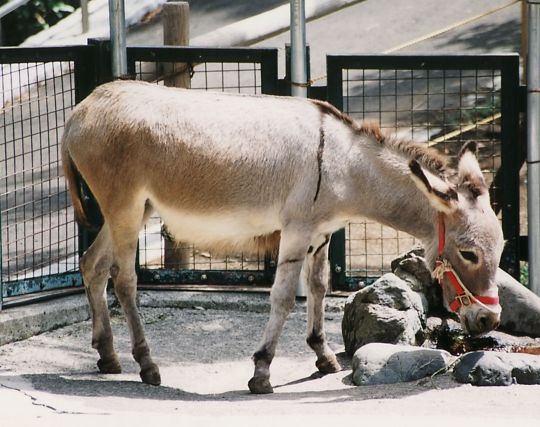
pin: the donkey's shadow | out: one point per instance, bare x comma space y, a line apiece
74, 385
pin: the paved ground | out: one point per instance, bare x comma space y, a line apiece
203, 350
374, 26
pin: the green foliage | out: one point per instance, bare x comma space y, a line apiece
34, 16
524, 274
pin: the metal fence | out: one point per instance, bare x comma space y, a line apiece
38, 232
251, 71
443, 101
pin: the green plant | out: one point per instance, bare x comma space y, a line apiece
524, 274
34, 16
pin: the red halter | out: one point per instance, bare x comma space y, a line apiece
443, 268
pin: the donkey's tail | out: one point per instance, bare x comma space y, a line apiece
74, 182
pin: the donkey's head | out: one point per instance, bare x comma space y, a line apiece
467, 244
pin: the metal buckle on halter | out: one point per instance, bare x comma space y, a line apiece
464, 299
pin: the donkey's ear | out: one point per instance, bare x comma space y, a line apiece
440, 193
470, 178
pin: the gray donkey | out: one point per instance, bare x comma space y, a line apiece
244, 172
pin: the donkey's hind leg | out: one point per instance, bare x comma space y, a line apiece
95, 267
124, 234
318, 284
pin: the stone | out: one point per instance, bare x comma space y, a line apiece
488, 368
520, 307
379, 363
387, 311
413, 269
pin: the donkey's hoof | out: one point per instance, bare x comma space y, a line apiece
151, 375
328, 365
260, 385
109, 366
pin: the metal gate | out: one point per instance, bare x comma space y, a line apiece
443, 100
241, 70
41, 243
38, 233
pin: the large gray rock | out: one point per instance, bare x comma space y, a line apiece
488, 368
387, 311
412, 268
378, 363
520, 307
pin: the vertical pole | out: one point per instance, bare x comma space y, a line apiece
117, 25
298, 74
176, 33
524, 36
298, 49
84, 16
1, 264
533, 144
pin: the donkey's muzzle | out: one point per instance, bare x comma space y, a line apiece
480, 321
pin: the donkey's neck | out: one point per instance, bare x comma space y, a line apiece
389, 194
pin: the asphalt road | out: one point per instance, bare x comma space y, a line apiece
375, 26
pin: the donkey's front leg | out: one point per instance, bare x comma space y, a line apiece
318, 274
292, 251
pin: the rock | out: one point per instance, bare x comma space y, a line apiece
378, 363
412, 268
412, 263
387, 311
488, 368
520, 307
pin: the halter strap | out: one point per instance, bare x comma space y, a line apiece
442, 234
443, 268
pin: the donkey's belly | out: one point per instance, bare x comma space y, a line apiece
220, 231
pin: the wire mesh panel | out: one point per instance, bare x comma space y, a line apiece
161, 259
438, 103
38, 232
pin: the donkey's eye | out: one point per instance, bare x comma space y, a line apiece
469, 256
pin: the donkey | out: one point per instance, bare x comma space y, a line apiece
253, 172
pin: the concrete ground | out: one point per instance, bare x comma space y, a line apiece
202, 343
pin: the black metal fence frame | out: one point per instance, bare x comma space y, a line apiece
92, 67
510, 155
84, 61
268, 60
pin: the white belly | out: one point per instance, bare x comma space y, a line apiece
219, 230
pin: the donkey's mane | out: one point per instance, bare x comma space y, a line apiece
427, 157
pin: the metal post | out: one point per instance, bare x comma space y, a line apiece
1, 263
298, 75
533, 144
298, 49
85, 20
117, 24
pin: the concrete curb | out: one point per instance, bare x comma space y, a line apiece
20, 323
